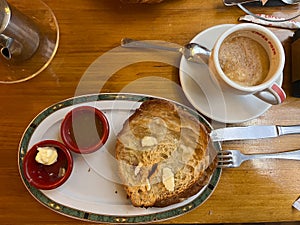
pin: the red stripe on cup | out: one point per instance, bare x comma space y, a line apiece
279, 91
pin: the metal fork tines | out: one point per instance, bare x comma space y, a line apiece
234, 158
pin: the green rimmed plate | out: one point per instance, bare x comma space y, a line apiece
93, 191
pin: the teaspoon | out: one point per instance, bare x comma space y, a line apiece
193, 52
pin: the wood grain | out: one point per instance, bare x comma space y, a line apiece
258, 191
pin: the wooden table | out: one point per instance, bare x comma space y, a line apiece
258, 191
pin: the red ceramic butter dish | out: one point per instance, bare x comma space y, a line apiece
48, 176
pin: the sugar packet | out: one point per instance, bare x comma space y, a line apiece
290, 24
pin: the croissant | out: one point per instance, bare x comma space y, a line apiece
162, 155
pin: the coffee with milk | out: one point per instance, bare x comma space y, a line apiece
244, 60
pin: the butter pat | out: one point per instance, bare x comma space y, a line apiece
168, 179
138, 168
149, 141
148, 186
46, 155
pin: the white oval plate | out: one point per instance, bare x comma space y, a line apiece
93, 191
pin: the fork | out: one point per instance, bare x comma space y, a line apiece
234, 158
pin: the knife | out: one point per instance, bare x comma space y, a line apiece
252, 132
235, 2
254, 2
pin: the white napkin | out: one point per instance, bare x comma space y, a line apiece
296, 204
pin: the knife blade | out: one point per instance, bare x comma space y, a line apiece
252, 132
255, 3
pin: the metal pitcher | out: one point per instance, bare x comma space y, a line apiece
19, 36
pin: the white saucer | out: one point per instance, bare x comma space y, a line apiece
205, 95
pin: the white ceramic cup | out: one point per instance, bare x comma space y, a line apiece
268, 91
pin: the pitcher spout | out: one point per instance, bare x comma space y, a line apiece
5, 44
